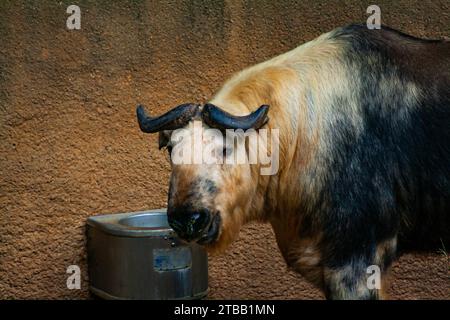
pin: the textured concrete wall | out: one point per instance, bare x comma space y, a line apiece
70, 146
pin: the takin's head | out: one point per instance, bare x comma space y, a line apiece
208, 200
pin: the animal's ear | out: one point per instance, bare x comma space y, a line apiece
163, 140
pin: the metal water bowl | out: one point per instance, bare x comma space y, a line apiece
138, 256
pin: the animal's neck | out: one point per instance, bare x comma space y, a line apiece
297, 86
275, 88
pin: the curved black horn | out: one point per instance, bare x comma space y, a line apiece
171, 120
215, 117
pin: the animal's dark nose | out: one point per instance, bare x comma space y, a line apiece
188, 224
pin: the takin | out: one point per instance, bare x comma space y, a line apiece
363, 118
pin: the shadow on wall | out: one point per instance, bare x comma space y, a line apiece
70, 143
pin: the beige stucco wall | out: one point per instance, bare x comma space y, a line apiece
70, 146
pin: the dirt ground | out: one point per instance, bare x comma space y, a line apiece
70, 146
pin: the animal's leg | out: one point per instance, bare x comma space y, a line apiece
361, 278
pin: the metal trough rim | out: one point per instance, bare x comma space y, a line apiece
110, 224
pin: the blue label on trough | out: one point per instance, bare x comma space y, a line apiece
172, 259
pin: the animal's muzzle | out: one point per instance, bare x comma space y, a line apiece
189, 224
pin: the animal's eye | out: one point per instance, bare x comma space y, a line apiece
226, 151
169, 150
